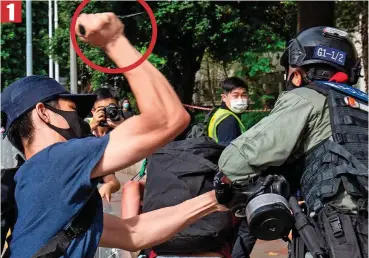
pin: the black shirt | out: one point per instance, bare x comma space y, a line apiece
228, 130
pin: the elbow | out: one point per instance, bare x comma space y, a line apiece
179, 122
133, 249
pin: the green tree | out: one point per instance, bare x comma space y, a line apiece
353, 17
13, 45
227, 31
224, 30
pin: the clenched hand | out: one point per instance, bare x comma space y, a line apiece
101, 29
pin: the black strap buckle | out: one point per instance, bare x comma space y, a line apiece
71, 231
336, 225
338, 137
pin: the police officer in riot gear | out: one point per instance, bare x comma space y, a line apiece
316, 138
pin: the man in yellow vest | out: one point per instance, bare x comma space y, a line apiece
225, 125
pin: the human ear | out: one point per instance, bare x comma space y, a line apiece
42, 112
297, 78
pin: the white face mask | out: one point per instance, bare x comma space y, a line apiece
238, 105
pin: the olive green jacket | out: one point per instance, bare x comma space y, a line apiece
299, 121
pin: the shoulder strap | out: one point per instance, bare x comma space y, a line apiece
78, 225
343, 88
321, 88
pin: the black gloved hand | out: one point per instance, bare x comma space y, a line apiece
223, 189
236, 195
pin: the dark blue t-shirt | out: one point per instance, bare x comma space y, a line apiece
51, 187
228, 130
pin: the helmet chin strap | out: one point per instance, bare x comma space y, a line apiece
317, 74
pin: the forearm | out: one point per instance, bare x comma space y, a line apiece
152, 91
131, 199
153, 228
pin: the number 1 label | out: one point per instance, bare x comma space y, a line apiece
11, 11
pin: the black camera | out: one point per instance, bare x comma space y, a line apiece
112, 112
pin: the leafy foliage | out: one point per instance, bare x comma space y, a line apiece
353, 17
13, 45
252, 118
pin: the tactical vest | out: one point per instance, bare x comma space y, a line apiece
340, 163
217, 118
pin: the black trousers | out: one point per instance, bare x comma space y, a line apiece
244, 242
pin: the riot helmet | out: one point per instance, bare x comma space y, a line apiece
324, 46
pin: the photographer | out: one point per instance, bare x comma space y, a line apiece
106, 113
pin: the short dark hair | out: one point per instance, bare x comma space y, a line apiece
229, 84
105, 93
23, 130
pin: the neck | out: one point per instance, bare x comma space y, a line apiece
41, 142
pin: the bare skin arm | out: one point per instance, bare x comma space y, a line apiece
162, 115
152, 228
132, 193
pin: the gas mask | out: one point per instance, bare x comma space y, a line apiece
263, 202
78, 128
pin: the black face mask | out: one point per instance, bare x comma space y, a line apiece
78, 127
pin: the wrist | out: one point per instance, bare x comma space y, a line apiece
200, 206
122, 52
93, 126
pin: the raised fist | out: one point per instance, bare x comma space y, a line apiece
99, 29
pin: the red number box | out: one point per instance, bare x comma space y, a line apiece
11, 11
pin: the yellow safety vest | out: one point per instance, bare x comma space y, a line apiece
217, 118
88, 120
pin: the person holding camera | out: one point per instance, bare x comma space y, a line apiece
106, 113
106, 117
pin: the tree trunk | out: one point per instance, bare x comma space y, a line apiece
364, 42
315, 13
210, 81
191, 64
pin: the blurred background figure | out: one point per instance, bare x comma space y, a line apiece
126, 108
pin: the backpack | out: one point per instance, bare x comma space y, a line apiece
336, 165
178, 172
8, 206
201, 129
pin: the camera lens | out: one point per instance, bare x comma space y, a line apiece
112, 112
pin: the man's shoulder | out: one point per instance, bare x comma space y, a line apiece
313, 97
230, 119
309, 94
